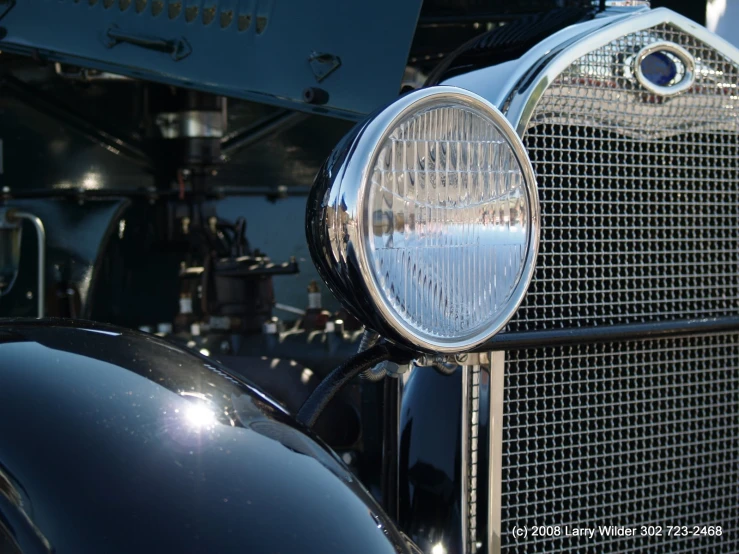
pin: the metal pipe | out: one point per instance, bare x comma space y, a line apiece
41, 238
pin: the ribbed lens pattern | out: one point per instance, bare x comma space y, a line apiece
632, 434
639, 193
448, 219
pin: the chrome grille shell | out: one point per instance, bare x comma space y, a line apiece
639, 193
640, 224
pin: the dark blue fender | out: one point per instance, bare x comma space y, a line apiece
114, 441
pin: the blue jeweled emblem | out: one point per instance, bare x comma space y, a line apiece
659, 68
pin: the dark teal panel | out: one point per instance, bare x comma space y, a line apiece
254, 49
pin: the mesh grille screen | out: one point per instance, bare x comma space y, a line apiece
639, 194
630, 434
640, 223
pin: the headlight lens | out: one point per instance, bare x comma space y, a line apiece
436, 208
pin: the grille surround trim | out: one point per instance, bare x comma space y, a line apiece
522, 99
517, 90
638, 191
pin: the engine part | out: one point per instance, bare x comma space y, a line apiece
11, 233
239, 289
11, 237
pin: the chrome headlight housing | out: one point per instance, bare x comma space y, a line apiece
425, 220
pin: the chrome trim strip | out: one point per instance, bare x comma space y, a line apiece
464, 442
499, 82
633, 4
611, 333
495, 444
469, 456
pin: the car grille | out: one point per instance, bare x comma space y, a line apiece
639, 194
630, 434
640, 223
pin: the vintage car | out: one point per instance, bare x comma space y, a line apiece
500, 311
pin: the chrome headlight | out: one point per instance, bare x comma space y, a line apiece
425, 220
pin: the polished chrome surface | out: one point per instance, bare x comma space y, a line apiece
449, 220
526, 86
609, 4
639, 192
434, 203
655, 236
642, 241
684, 63
469, 455
38, 226
464, 458
496, 382
512, 83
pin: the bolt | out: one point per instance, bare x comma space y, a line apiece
393, 369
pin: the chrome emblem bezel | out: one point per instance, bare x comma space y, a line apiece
676, 54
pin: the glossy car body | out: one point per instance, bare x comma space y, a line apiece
114, 441
89, 461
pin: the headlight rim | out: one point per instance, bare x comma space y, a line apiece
360, 152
